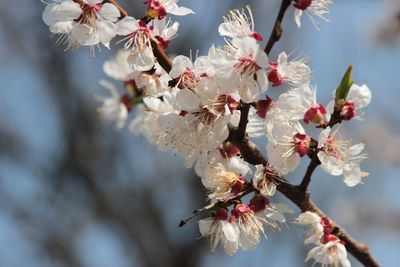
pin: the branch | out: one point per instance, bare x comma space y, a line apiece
277, 30
310, 170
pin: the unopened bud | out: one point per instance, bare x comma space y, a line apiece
263, 106
302, 4
315, 114
259, 203
301, 143
348, 110
273, 75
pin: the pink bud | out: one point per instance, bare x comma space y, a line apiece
348, 110
301, 143
263, 106
273, 75
259, 203
315, 114
302, 4
256, 36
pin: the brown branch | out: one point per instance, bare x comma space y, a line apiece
310, 170
277, 30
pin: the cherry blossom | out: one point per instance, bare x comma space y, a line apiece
239, 24
313, 221
287, 143
332, 252
219, 229
83, 23
220, 182
339, 157
294, 72
116, 107
313, 8
160, 8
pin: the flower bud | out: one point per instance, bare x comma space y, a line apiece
273, 75
348, 110
302, 143
302, 4
263, 106
259, 203
315, 114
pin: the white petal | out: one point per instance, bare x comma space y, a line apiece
187, 100
360, 95
127, 25
83, 33
93, 2
174, 9
204, 226
110, 12
179, 65
106, 31
297, 16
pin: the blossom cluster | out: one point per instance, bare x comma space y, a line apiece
192, 106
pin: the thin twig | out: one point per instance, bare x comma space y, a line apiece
310, 170
277, 30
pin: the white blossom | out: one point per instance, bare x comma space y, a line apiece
313, 221
293, 72
219, 230
287, 143
313, 8
339, 157
238, 23
113, 109
220, 182
87, 23
263, 181
332, 253
160, 8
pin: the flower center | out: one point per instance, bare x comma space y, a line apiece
332, 147
188, 80
247, 65
155, 10
89, 14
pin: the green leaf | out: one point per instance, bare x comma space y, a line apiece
344, 87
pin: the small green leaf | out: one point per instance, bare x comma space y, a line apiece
344, 87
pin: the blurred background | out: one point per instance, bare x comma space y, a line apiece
74, 192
